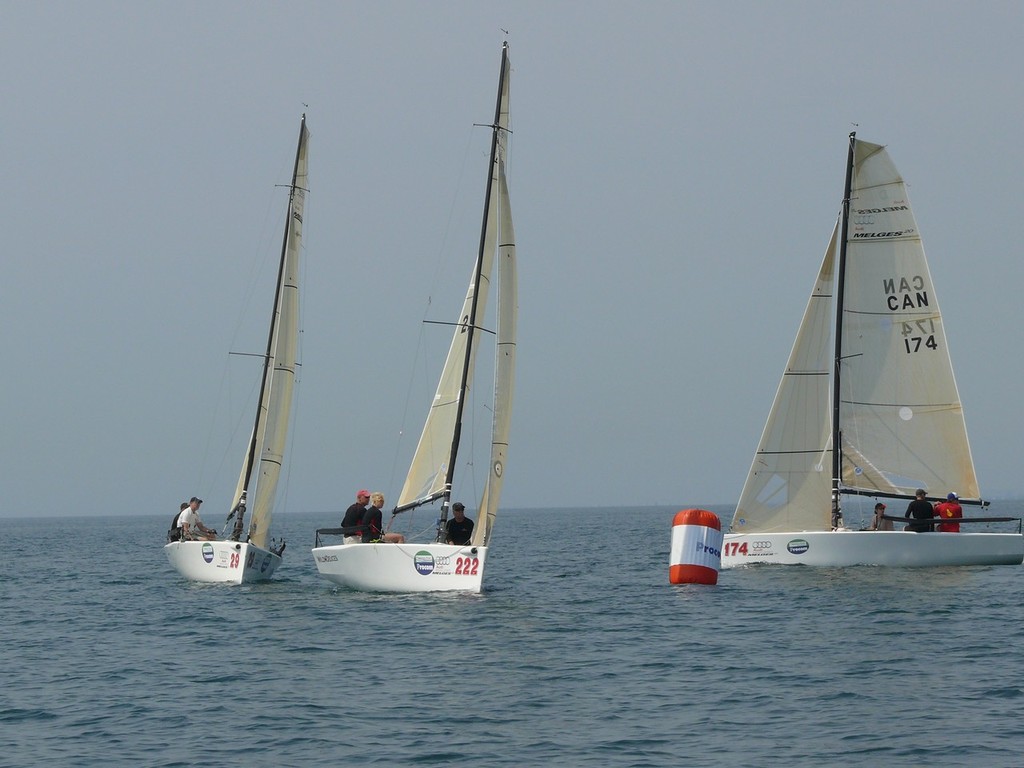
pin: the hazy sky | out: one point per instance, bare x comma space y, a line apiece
675, 172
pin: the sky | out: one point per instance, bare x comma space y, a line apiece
675, 171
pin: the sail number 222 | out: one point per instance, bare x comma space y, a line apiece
467, 566
918, 334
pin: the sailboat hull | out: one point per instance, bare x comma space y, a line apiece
403, 567
885, 548
226, 562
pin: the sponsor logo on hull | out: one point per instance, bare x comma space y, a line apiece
424, 562
797, 546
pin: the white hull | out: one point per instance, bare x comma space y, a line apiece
226, 562
887, 548
403, 567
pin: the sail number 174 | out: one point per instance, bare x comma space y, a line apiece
918, 335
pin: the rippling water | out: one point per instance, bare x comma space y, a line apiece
577, 653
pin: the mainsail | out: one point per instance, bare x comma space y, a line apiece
505, 365
900, 407
270, 432
901, 424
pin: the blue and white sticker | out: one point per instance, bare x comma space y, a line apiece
208, 552
424, 562
797, 546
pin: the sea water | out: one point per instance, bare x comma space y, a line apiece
577, 653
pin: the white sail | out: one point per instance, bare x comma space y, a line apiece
505, 366
274, 410
788, 486
901, 420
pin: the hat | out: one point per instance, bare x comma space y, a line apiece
362, 493
879, 504
458, 505
200, 501
951, 497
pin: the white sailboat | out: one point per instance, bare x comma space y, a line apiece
247, 554
437, 566
870, 372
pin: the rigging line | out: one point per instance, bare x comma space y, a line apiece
453, 207
266, 249
420, 357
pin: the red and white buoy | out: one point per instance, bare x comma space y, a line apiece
696, 547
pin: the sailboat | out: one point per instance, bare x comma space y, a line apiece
868, 404
246, 554
437, 566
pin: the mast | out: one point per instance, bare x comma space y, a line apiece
258, 430
837, 514
471, 320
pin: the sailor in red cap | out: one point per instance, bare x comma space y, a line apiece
352, 523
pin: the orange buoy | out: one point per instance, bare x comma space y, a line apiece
696, 547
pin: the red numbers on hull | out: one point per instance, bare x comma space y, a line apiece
734, 548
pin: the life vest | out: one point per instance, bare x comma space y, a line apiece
949, 510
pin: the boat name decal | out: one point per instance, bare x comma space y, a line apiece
327, 558
208, 552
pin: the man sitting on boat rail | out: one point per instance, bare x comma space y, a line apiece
352, 522
192, 528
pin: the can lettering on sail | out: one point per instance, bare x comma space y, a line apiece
696, 555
